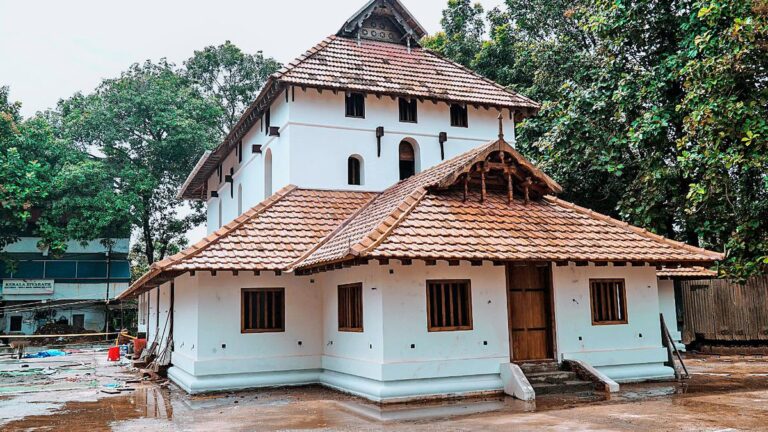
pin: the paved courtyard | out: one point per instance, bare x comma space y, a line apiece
725, 393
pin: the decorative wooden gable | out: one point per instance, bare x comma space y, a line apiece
385, 21
500, 167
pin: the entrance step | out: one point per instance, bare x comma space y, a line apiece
564, 388
551, 378
538, 367
556, 377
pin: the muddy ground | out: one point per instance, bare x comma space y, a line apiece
725, 393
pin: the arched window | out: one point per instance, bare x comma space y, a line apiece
239, 199
407, 160
268, 174
354, 170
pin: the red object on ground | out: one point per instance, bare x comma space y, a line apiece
138, 346
113, 354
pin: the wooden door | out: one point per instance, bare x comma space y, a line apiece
530, 319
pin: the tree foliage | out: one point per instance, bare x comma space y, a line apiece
230, 77
151, 125
653, 111
51, 188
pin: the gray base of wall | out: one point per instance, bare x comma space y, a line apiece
377, 391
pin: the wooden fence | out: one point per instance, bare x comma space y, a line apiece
723, 311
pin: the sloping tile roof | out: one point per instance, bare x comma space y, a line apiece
372, 224
422, 217
442, 226
386, 68
339, 63
686, 272
270, 236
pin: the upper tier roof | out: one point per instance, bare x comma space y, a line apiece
381, 68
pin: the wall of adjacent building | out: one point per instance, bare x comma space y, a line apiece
668, 307
625, 351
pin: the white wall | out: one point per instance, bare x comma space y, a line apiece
222, 348
443, 354
668, 307
316, 139
381, 352
637, 343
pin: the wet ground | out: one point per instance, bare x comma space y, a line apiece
724, 393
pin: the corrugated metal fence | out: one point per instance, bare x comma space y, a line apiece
722, 310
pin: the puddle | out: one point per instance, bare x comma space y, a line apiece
715, 388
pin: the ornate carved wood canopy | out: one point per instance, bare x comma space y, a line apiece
385, 21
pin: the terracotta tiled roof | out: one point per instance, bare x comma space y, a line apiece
386, 68
442, 226
686, 272
339, 63
372, 224
419, 218
270, 236
422, 217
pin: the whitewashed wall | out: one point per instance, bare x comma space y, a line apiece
624, 352
316, 139
668, 307
222, 348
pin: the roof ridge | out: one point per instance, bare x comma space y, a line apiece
537, 105
380, 233
335, 231
637, 230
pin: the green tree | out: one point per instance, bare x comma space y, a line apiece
652, 111
230, 77
52, 188
724, 72
463, 30
151, 124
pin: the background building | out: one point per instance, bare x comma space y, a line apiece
38, 288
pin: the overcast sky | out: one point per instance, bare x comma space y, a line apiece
50, 49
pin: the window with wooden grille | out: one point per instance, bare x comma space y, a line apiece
449, 305
355, 104
408, 110
351, 308
608, 298
459, 116
263, 310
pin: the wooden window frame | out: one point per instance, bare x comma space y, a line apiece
348, 329
622, 304
466, 115
404, 106
434, 329
244, 330
347, 98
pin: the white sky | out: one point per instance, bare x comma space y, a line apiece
50, 49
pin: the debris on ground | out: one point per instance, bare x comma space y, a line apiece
46, 353
62, 328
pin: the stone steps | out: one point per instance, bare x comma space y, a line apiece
567, 387
551, 378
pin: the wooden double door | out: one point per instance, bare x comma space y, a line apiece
530, 312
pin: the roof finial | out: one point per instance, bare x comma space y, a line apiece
501, 127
